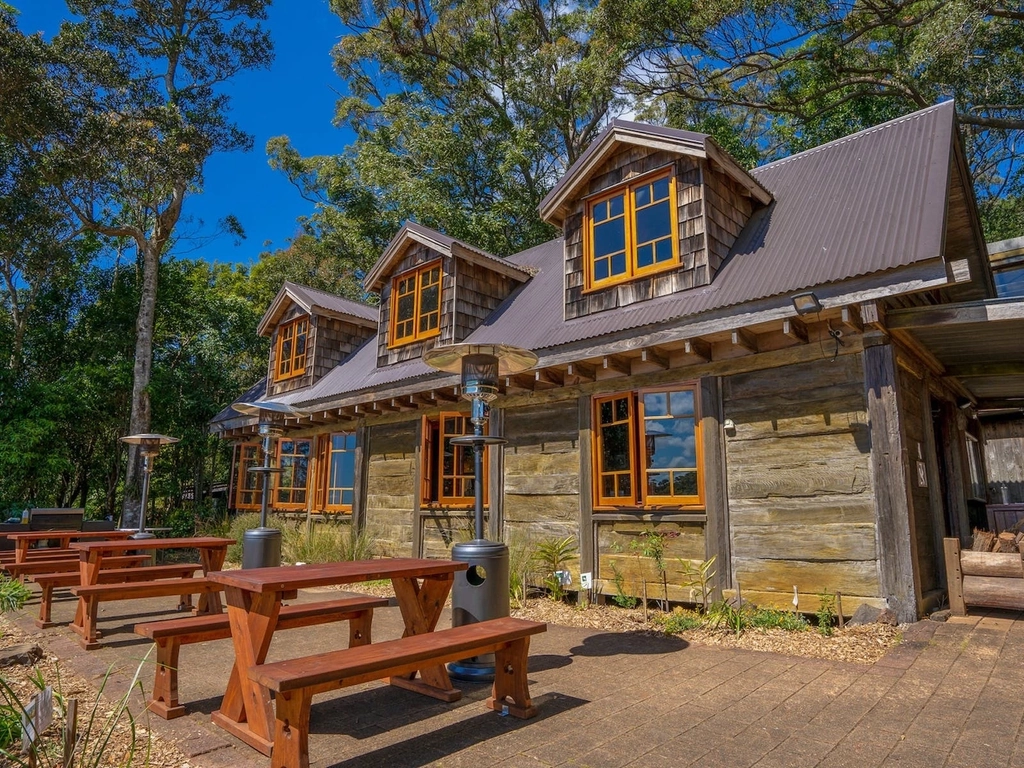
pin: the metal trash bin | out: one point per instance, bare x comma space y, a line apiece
479, 593
261, 548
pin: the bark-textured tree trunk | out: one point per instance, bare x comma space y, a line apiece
141, 417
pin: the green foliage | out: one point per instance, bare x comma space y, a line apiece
13, 594
621, 598
770, 618
722, 614
553, 555
325, 543
826, 614
680, 620
699, 579
10, 726
520, 565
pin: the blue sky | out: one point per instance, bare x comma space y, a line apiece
295, 97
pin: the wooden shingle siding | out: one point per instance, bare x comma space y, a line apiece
801, 503
337, 340
391, 487
415, 255
728, 210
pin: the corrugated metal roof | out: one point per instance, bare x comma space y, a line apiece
869, 203
313, 297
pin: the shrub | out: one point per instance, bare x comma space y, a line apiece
520, 562
621, 598
826, 614
13, 594
680, 620
698, 578
553, 555
325, 543
771, 618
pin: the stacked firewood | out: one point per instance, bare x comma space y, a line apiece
1007, 541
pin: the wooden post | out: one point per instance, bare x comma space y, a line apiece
70, 734
588, 538
716, 531
839, 610
890, 482
954, 577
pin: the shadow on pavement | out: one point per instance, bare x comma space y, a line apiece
615, 643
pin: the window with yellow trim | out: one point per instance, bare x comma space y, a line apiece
416, 304
647, 450
291, 349
248, 485
447, 472
336, 470
293, 479
631, 231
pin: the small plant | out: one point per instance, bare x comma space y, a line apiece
10, 726
721, 614
699, 580
13, 594
552, 556
519, 566
620, 598
771, 618
826, 614
651, 543
680, 620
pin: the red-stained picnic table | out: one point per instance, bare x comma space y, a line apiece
254, 603
212, 551
23, 541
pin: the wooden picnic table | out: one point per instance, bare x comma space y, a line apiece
212, 551
254, 599
22, 541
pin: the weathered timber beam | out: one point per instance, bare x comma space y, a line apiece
873, 313
745, 340
403, 404
957, 314
1002, 368
651, 359
443, 396
849, 320
694, 351
548, 377
519, 383
613, 366
794, 328
579, 373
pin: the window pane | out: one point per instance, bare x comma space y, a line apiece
601, 211
643, 195
608, 486
625, 487
609, 237
619, 264
406, 306
622, 408
451, 427
428, 299
685, 484
601, 269
655, 404
617, 204
663, 250
606, 412
653, 222
615, 448
659, 484
448, 487
661, 188
644, 256
682, 403
670, 443
347, 496
1009, 282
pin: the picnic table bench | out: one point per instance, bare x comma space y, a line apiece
171, 634
67, 565
296, 681
91, 592
50, 581
23, 541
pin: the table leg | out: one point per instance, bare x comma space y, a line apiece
421, 606
85, 615
246, 710
212, 559
21, 551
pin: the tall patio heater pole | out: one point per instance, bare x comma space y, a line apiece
261, 547
149, 445
481, 591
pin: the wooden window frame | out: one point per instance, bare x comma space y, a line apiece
324, 454
432, 464
292, 505
285, 332
629, 212
638, 453
241, 463
417, 335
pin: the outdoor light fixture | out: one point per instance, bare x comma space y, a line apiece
481, 591
261, 547
805, 303
149, 445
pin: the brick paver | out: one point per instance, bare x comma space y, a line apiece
950, 695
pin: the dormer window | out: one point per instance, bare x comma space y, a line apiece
632, 231
416, 298
291, 349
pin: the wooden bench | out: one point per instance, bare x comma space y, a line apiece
40, 553
296, 681
170, 635
92, 595
50, 581
67, 565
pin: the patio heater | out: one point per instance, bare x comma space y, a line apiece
149, 445
261, 547
481, 591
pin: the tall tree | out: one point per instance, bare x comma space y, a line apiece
814, 71
140, 85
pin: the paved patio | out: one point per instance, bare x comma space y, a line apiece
951, 695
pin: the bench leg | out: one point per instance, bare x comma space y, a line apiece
291, 730
164, 701
511, 687
44, 622
86, 629
359, 628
